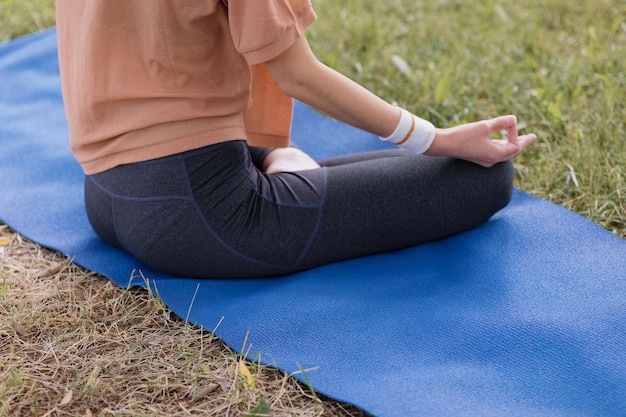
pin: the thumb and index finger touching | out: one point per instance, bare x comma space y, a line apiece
515, 144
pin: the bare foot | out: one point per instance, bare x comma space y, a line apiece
288, 160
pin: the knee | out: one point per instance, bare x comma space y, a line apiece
485, 191
500, 185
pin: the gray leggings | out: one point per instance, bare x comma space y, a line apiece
212, 213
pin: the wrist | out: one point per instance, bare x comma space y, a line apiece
412, 133
437, 148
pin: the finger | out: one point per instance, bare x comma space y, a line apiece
501, 123
510, 150
513, 135
526, 140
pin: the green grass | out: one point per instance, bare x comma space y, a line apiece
19, 17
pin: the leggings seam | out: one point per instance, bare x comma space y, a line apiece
214, 234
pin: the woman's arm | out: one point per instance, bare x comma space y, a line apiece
301, 75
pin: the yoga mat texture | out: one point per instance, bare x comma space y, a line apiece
524, 316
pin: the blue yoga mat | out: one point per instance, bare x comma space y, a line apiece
524, 316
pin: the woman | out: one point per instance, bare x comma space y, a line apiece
180, 113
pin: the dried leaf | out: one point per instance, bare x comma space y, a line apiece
52, 270
200, 393
245, 372
5, 241
69, 395
51, 386
88, 413
204, 391
225, 385
21, 330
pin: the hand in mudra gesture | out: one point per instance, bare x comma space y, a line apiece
472, 142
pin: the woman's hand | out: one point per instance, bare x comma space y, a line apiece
472, 142
288, 160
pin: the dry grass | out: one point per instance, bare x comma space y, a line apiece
74, 344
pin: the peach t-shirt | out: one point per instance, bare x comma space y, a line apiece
143, 79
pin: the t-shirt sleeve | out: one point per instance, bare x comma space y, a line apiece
263, 29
